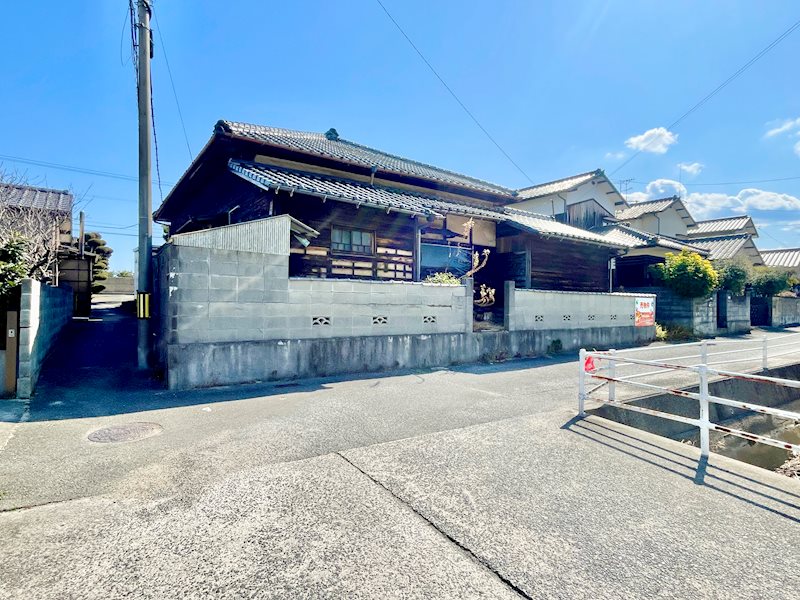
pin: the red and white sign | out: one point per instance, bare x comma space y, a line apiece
645, 312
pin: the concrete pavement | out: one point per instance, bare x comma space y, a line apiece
470, 482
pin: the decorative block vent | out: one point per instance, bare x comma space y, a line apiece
429, 319
630, 317
592, 317
320, 321
380, 320
538, 318
567, 317
613, 317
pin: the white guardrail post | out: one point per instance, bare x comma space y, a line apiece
704, 352
764, 353
581, 382
612, 372
704, 420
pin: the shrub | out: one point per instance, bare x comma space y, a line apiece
734, 276
443, 277
688, 274
768, 281
673, 333
14, 264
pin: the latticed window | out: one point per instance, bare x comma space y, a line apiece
351, 240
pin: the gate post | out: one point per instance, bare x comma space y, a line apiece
704, 420
12, 353
581, 382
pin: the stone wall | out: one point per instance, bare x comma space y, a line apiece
536, 310
785, 311
697, 314
44, 311
118, 285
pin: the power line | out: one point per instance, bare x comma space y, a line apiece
172, 83
717, 89
452, 93
106, 225
732, 182
49, 165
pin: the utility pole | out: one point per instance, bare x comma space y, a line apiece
143, 286
81, 241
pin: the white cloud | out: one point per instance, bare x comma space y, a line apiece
781, 127
791, 226
656, 140
615, 155
691, 168
797, 148
705, 205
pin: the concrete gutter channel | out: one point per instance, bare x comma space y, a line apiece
747, 391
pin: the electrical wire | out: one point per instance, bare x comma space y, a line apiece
452, 93
172, 83
716, 90
733, 182
62, 167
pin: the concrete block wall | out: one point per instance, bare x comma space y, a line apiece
785, 311
738, 311
44, 312
696, 314
539, 310
209, 295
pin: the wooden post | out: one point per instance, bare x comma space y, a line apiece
12, 353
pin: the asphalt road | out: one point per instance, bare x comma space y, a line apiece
473, 482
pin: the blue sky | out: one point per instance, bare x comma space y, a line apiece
564, 87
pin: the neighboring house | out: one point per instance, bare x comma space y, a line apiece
787, 259
644, 249
377, 215
738, 246
586, 200
723, 226
663, 216
34, 211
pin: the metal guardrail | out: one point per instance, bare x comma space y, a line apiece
762, 350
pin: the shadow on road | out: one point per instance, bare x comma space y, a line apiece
774, 499
92, 372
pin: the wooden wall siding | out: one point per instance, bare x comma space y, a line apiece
585, 214
394, 240
557, 264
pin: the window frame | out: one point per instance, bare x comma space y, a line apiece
351, 252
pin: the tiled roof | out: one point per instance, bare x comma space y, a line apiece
24, 196
634, 211
789, 257
739, 224
634, 238
384, 198
330, 145
548, 226
723, 246
554, 187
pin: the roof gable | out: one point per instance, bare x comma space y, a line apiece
738, 224
566, 184
658, 205
785, 257
724, 247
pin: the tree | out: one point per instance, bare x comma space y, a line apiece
39, 226
734, 275
768, 281
688, 274
93, 242
14, 265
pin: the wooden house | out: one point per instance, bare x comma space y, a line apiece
378, 216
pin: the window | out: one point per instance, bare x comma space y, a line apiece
351, 240
435, 257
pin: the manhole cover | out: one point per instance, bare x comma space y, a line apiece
129, 432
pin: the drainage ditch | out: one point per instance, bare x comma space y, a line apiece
753, 453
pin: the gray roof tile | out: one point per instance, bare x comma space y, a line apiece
332, 146
739, 224
634, 211
554, 187
24, 196
788, 257
401, 201
723, 246
634, 238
